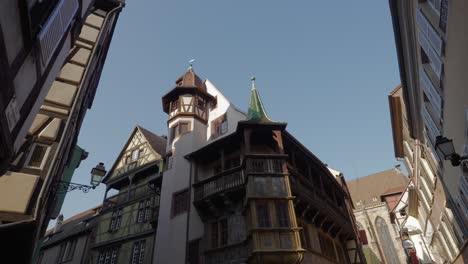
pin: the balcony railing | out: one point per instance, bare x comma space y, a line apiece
222, 182
263, 165
127, 196
319, 200
236, 253
54, 28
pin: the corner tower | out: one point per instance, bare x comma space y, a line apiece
188, 98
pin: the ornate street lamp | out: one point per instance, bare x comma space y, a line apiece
445, 147
97, 173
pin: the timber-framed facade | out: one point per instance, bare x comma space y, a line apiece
238, 188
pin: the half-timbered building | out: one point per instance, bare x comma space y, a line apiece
31, 190
127, 222
239, 188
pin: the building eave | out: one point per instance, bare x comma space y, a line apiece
407, 61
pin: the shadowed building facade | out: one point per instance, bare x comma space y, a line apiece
238, 188
55, 67
431, 39
127, 223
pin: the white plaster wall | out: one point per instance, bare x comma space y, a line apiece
171, 237
223, 106
369, 222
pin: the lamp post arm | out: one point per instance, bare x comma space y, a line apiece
64, 187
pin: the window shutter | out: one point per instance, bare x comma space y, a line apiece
363, 237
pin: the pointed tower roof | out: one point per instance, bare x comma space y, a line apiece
256, 111
190, 80
188, 83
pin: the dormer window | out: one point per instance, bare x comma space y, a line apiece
219, 126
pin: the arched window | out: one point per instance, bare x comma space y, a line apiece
386, 241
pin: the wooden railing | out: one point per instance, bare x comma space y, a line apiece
222, 182
236, 253
318, 200
127, 196
264, 165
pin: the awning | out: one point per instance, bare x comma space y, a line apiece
16, 191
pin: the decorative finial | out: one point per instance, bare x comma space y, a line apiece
253, 82
191, 63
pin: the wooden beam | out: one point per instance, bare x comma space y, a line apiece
305, 211
323, 221
314, 217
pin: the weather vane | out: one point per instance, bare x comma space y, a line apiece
253, 81
191, 63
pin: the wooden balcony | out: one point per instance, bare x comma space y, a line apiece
264, 164
226, 181
318, 202
235, 253
128, 196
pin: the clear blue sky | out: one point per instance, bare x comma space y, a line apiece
324, 67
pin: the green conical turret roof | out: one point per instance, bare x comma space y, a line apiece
257, 111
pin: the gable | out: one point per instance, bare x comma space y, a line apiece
137, 153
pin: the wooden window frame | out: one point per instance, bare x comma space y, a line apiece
214, 235
265, 221
219, 233
147, 214
176, 130
175, 195
283, 213
138, 252
141, 211
223, 232
116, 220
219, 126
363, 237
44, 158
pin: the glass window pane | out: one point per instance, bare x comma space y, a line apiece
37, 156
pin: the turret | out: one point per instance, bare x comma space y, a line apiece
188, 98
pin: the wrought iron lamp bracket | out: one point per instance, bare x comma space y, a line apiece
65, 187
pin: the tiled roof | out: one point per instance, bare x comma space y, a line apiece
157, 143
364, 190
71, 226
